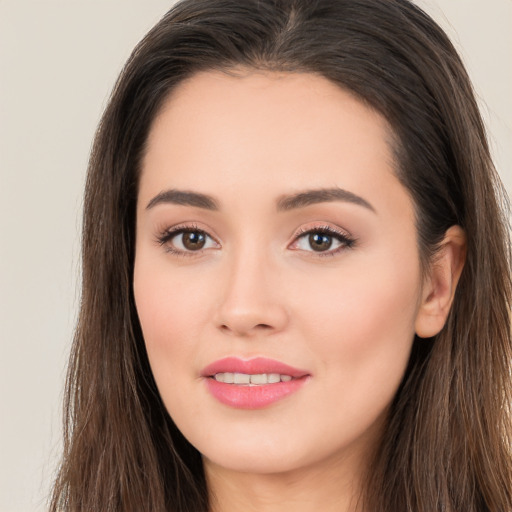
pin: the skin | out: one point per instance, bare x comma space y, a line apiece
347, 315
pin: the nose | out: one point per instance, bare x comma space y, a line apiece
251, 303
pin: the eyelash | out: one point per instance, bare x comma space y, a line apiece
346, 242
171, 233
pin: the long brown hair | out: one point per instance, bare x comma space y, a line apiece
447, 444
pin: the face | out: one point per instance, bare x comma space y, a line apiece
277, 276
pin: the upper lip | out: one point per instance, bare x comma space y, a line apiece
255, 366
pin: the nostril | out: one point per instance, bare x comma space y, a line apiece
243, 330
242, 319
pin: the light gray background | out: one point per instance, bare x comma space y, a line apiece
58, 62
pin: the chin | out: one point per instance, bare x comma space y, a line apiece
256, 461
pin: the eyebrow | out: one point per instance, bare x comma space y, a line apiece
185, 198
284, 203
323, 195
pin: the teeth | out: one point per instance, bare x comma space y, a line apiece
257, 379
242, 378
261, 379
229, 378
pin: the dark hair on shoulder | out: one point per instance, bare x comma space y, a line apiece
447, 445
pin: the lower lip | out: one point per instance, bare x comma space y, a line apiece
252, 397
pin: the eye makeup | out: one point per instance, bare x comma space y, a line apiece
186, 240
322, 240
190, 240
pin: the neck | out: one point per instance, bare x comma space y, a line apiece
333, 487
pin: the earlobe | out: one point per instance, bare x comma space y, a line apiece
440, 285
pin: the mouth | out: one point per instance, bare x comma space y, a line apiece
252, 384
245, 379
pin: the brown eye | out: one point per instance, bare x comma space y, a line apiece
187, 240
320, 241
193, 240
323, 241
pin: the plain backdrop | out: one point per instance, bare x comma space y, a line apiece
58, 62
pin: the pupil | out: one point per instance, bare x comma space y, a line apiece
193, 240
320, 242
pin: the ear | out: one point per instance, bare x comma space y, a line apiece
441, 282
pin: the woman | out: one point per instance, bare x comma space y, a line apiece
296, 282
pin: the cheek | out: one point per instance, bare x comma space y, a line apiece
359, 330
361, 326
170, 306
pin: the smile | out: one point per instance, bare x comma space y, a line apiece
258, 379
252, 384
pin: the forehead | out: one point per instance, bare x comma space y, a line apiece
263, 129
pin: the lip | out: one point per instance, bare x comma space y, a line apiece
251, 366
252, 397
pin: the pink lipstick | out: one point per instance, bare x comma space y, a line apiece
253, 383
